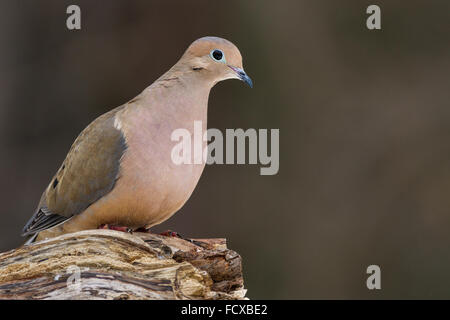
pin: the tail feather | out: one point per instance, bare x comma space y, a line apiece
31, 239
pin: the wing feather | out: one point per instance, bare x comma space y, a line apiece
88, 173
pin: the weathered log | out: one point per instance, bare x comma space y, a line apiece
106, 264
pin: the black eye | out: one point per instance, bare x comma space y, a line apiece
217, 54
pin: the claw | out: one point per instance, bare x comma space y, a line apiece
170, 233
116, 228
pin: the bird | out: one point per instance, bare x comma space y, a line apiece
119, 171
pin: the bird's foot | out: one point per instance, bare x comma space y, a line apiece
117, 228
170, 233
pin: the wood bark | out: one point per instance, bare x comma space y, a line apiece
106, 264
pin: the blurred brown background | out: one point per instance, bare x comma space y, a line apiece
364, 120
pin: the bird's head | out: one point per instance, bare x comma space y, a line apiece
214, 59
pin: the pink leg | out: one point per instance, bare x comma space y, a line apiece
117, 228
170, 233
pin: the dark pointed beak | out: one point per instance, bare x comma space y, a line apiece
243, 76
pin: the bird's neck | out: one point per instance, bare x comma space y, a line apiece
182, 76
181, 93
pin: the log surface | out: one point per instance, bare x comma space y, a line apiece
106, 264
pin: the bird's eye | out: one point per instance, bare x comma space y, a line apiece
218, 55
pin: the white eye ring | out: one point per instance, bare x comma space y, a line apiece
218, 55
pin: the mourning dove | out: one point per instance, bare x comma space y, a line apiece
119, 170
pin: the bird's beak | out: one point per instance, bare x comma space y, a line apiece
241, 75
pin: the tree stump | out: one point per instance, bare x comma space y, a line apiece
106, 264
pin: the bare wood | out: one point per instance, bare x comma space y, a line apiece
116, 265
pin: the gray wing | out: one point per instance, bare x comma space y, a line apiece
88, 173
